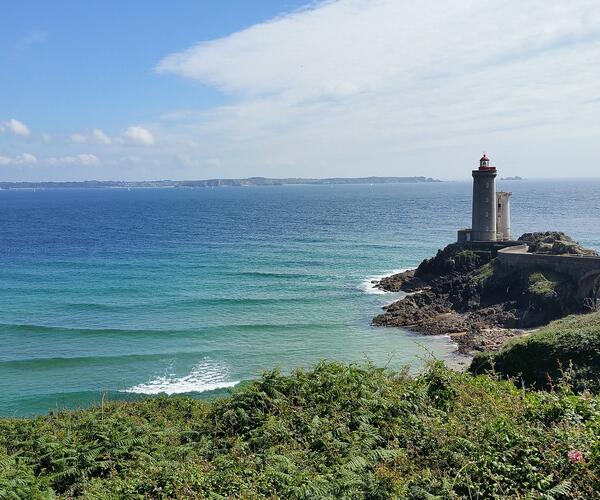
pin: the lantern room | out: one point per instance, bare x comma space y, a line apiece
484, 163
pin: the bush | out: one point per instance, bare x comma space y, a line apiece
541, 285
17, 480
569, 348
337, 431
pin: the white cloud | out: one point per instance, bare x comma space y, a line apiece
84, 159
94, 136
28, 158
79, 137
22, 159
87, 159
375, 86
16, 127
100, 136
133, 135
138, 136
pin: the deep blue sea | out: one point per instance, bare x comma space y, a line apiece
133, 292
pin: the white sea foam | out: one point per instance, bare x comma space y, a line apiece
205, 376
369, 287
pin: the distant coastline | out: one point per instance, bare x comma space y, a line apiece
250, 181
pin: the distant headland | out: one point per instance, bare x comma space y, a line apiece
250, 181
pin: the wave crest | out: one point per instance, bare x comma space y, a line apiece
367, 285
205, 376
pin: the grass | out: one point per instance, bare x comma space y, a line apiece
466, 255
336, 431
471, 259
544, 283
569, 346
486, 271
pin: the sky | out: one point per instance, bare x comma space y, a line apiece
191, 89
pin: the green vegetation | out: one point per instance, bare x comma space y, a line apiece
544, 283
567, 347
466, 255
337, 431
469, 259
485, 272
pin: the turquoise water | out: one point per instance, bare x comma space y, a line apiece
129, 293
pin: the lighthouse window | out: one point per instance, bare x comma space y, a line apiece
499, 205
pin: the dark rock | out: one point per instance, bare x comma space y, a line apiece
413, 309
555, 243
405, 281
465, 293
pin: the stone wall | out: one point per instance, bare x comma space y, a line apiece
583, 270
492, 246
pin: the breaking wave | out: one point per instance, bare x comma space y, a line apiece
369, 287
206, 376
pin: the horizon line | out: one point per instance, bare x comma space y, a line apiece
297, 180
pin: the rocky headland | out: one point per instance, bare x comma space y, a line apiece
467, 293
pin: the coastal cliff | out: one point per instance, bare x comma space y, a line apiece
466, 292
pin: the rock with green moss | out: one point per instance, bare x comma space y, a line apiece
555, 243
472, 296
543, 283
567, 349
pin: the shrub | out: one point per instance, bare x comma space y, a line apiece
544, 283
336, 431
568, 347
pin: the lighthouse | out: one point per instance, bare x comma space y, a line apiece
491, 210
483, 226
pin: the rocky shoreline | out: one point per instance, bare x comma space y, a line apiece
467, 294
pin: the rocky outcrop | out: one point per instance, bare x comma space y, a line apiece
554, 243
466, 293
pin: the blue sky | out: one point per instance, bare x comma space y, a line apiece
72, 62
198, 89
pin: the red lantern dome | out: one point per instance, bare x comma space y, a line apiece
484, 163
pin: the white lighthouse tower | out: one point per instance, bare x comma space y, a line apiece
503, 216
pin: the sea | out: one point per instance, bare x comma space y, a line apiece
110, 294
